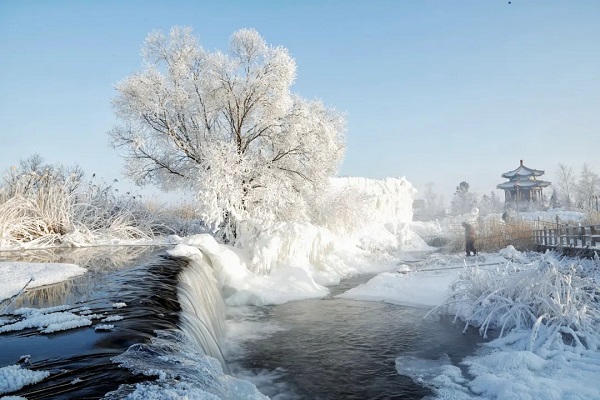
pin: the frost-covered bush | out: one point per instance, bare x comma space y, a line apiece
556, 300
343, 211
45, 205
180, 219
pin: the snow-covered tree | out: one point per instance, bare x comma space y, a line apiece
227, 126
33, 172
587, 186
554, 201
432, 204
463, 201
490, 204
566, 182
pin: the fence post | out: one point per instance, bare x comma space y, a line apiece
560, 236
592, 233
545, 237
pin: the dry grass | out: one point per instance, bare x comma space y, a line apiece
43, 210
493, 235
591, 218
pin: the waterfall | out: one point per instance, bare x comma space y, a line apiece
202, 316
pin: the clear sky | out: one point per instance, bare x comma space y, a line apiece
438, 91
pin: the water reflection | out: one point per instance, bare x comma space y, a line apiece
97, 260
79, 360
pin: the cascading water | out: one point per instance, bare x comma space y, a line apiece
202, 316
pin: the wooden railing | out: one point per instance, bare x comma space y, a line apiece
525, 235
568, 237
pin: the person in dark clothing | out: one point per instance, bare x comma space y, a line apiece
469, 239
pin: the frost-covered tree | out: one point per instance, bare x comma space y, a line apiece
33, 173
463, 201
554, 201
490, 204
227, 126
587, 186
566, 182
433, 204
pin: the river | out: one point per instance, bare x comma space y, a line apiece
329, 348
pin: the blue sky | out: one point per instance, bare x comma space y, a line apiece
437, 91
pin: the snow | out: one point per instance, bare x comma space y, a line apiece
47, 320
553, 353
508, 373
290, 261
13, 378
182, 372
273, 264
104, 327
417, 289
113, 318
16, 275
544, 315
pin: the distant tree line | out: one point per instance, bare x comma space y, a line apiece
568, 190
573, 190
463, 202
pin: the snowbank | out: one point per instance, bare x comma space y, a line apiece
298, 260
287, 262
546, 313
550, 215
389, 200
504, 371
423, 284
17, 275
379, 212
13, 378
416, 289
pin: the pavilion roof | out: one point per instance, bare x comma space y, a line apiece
524, 184
522, 171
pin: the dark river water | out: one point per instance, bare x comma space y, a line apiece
324, 349
80, 359
336, 348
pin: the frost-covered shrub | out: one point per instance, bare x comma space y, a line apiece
558, 296
343, 211
102, 211
352, 203
180, 219
52, 206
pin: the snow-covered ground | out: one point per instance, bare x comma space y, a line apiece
547, 349
546, 308
18, 275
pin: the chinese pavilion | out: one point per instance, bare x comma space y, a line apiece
523, 186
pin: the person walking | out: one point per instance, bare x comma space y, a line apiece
469, 239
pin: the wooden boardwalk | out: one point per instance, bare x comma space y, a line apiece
581, 240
